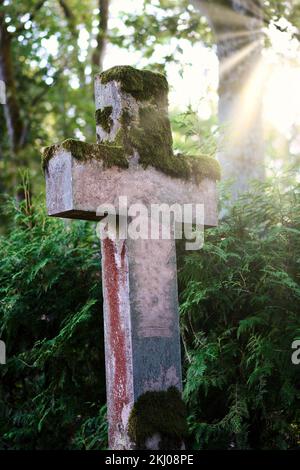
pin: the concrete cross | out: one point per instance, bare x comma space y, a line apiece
134, 158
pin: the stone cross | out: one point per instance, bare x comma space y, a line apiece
134, 158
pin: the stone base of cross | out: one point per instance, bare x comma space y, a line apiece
134, 159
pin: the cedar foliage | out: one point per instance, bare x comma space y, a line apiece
52, 389
239, 301
240, 313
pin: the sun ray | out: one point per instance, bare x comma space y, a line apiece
247, 105
226, 17
236, 58
239, 34
250, 6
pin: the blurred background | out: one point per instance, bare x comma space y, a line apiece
244, 56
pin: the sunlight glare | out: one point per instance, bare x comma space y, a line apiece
247, 105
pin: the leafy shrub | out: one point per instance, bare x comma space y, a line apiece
52, 388
239, 314
239, 301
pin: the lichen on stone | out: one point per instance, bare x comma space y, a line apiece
143, 85
158, 412
103, 118
110, 155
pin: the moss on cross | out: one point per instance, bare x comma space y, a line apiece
110, 155
103, 118
158, 412
143, 85
146, 132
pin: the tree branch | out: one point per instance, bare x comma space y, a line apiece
12, 112
98, 55
69, 16
32, 15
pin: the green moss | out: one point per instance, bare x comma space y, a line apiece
202, 166
47, 154
160, 412
152, 138
142, 84
123, 135
150, 134
110, 155
158, 155
126, 118
103, 118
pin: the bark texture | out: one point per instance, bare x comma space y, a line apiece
99, 53
13, 118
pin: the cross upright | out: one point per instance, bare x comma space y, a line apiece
133, 157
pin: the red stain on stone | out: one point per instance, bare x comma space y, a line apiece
115, 277
123, 252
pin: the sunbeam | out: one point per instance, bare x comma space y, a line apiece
225, 17
247, 105
233, 60
238, 34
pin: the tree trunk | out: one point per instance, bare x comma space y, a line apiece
237, 25
99, 53
14, 123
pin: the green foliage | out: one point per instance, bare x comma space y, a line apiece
52, 388
160, 22
45, 59
152, 138
239, 295
194, 136
239, 301
240, 313
92, 434
52, 64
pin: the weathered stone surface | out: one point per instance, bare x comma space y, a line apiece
127, 115
76, 189
111, 94
141, 319
142, 340
118, 340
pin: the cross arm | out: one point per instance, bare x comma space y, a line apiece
79, 181
133, 157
